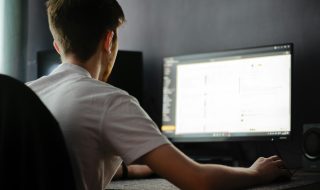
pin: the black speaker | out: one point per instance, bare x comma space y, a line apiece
127, 73
311, 147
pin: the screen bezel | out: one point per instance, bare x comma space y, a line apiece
229, 53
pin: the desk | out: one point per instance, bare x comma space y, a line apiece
301, 180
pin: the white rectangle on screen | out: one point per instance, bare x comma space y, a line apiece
238, 95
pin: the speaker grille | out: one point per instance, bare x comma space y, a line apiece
311, 143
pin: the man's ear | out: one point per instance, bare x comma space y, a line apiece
56, 47
108, 41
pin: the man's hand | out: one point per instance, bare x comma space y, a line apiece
268, 169
170, 163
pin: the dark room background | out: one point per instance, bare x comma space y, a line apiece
168, 28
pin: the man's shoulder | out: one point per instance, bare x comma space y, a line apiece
100, 87
78, 85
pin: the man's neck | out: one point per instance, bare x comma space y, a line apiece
93, 65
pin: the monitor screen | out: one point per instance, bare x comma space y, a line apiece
226, 96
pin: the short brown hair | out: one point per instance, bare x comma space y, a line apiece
79, 25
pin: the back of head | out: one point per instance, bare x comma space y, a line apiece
79, 25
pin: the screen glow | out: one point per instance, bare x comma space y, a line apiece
245, 95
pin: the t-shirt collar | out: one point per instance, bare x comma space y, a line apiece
76, 68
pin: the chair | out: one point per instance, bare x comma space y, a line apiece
33, 154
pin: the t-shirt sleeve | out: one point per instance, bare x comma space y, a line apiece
128, 129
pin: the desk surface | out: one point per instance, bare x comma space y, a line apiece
301, 180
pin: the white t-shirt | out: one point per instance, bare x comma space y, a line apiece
102, 124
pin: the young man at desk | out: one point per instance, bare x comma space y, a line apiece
103, 125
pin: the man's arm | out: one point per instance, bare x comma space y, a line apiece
134, 171
170, 163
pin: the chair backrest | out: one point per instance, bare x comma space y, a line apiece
33, 154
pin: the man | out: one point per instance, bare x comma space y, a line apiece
104, 125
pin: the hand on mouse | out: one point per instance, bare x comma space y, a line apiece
268, 169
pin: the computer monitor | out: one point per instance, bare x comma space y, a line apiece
127, 73
235, 95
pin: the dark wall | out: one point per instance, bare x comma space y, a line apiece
39, 37
168, 28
